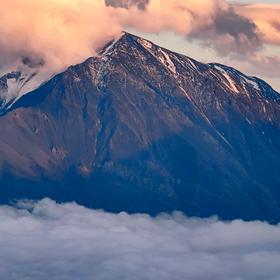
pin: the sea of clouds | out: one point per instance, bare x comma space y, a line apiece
45, 240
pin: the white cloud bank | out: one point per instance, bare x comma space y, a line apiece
45, 240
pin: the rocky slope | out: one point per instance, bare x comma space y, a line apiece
142, 129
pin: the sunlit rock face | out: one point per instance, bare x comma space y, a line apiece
141, 129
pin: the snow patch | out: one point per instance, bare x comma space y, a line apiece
252, 82
23, 86
229, 81
13, 87
193, 64
146, 44
166, 60
109, 48
185, 93
20, 81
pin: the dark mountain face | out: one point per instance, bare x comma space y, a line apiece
142, 129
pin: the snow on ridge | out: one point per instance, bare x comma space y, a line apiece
166, 60
20, 90
192, 64
229, 81
146, 44
108, 50
252, 82
27, 80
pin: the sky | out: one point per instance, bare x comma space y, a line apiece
54, 34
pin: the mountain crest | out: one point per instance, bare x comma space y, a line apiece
139, 128
233, 80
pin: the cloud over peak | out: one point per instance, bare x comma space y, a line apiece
62, 33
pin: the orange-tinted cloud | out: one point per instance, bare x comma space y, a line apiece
267, 19
59, 32
65, 32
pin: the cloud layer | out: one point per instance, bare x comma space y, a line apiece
46, 240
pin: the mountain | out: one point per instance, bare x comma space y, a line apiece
27, 76
139, 128
11, 85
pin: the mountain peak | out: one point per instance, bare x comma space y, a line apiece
149, 130
128, 46
124, 39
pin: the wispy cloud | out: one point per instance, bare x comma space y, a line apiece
46, 240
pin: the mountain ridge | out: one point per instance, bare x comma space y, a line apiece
252, 80
142, 129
